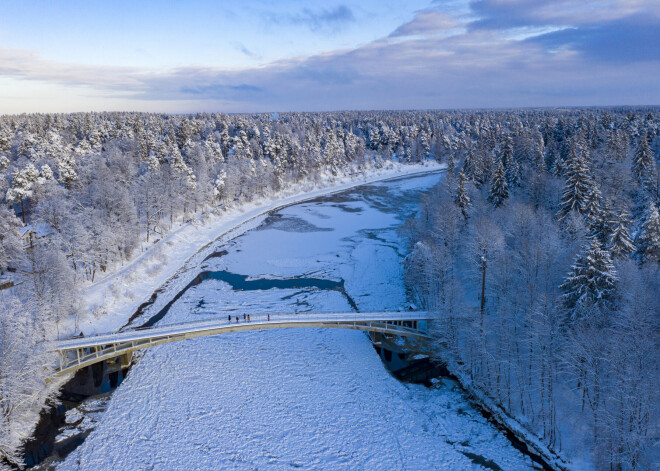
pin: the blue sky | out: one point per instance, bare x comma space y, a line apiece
176, 56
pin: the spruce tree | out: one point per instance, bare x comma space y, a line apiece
451, 166
620, 243
643, 163
469, 168
511, 167
578, 185
648, 237
590, 282
462, 199
499, 191
592, 210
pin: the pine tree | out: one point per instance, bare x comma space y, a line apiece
648, 238
620, 243
578, 185
499, 191
21, 186
462, 199
591, 280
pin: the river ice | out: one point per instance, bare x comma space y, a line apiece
299, 398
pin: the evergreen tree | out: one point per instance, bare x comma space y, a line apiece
451, 166
499, 191
511, 167
578, 185
592, 210
591, 280
462, 199
21, 186
469, 168
620, 243
648, 238
643, 164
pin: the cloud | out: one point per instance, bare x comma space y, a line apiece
239, 46
426, 23
504, 14
630, 39
328, 20
30, 66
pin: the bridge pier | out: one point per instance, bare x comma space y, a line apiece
126, 360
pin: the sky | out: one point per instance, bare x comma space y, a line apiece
294, 55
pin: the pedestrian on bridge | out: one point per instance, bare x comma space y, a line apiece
229, 318
269, 316
248, 317
244, 316
237, 317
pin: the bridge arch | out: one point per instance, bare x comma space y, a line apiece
78, 353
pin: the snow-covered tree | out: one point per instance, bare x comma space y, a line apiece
67, 170
21, 186
499, 190
45, 174
643, 164
11, 248
620, 243
578, 186
590, 282
219, 186
462, 199
648, 237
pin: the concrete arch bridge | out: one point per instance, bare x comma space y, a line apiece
77, 353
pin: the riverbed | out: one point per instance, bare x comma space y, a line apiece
298, 398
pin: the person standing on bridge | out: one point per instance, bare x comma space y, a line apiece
237, 317
229, 318
269, 316
244, 316
248, 317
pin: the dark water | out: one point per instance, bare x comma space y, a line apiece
241, 283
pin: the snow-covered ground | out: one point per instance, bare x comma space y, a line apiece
303, 398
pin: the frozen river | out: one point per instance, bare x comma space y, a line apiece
298, 398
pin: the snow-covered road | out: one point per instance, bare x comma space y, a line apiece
313, 398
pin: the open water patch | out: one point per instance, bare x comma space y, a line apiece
245, 283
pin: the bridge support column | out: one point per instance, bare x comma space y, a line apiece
126, 360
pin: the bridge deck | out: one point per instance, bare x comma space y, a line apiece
78, 353
256, 321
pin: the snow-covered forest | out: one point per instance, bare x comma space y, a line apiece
554, 215
559, 207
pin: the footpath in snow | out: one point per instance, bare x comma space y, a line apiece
113, 299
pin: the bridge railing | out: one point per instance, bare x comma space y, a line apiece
282, 317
